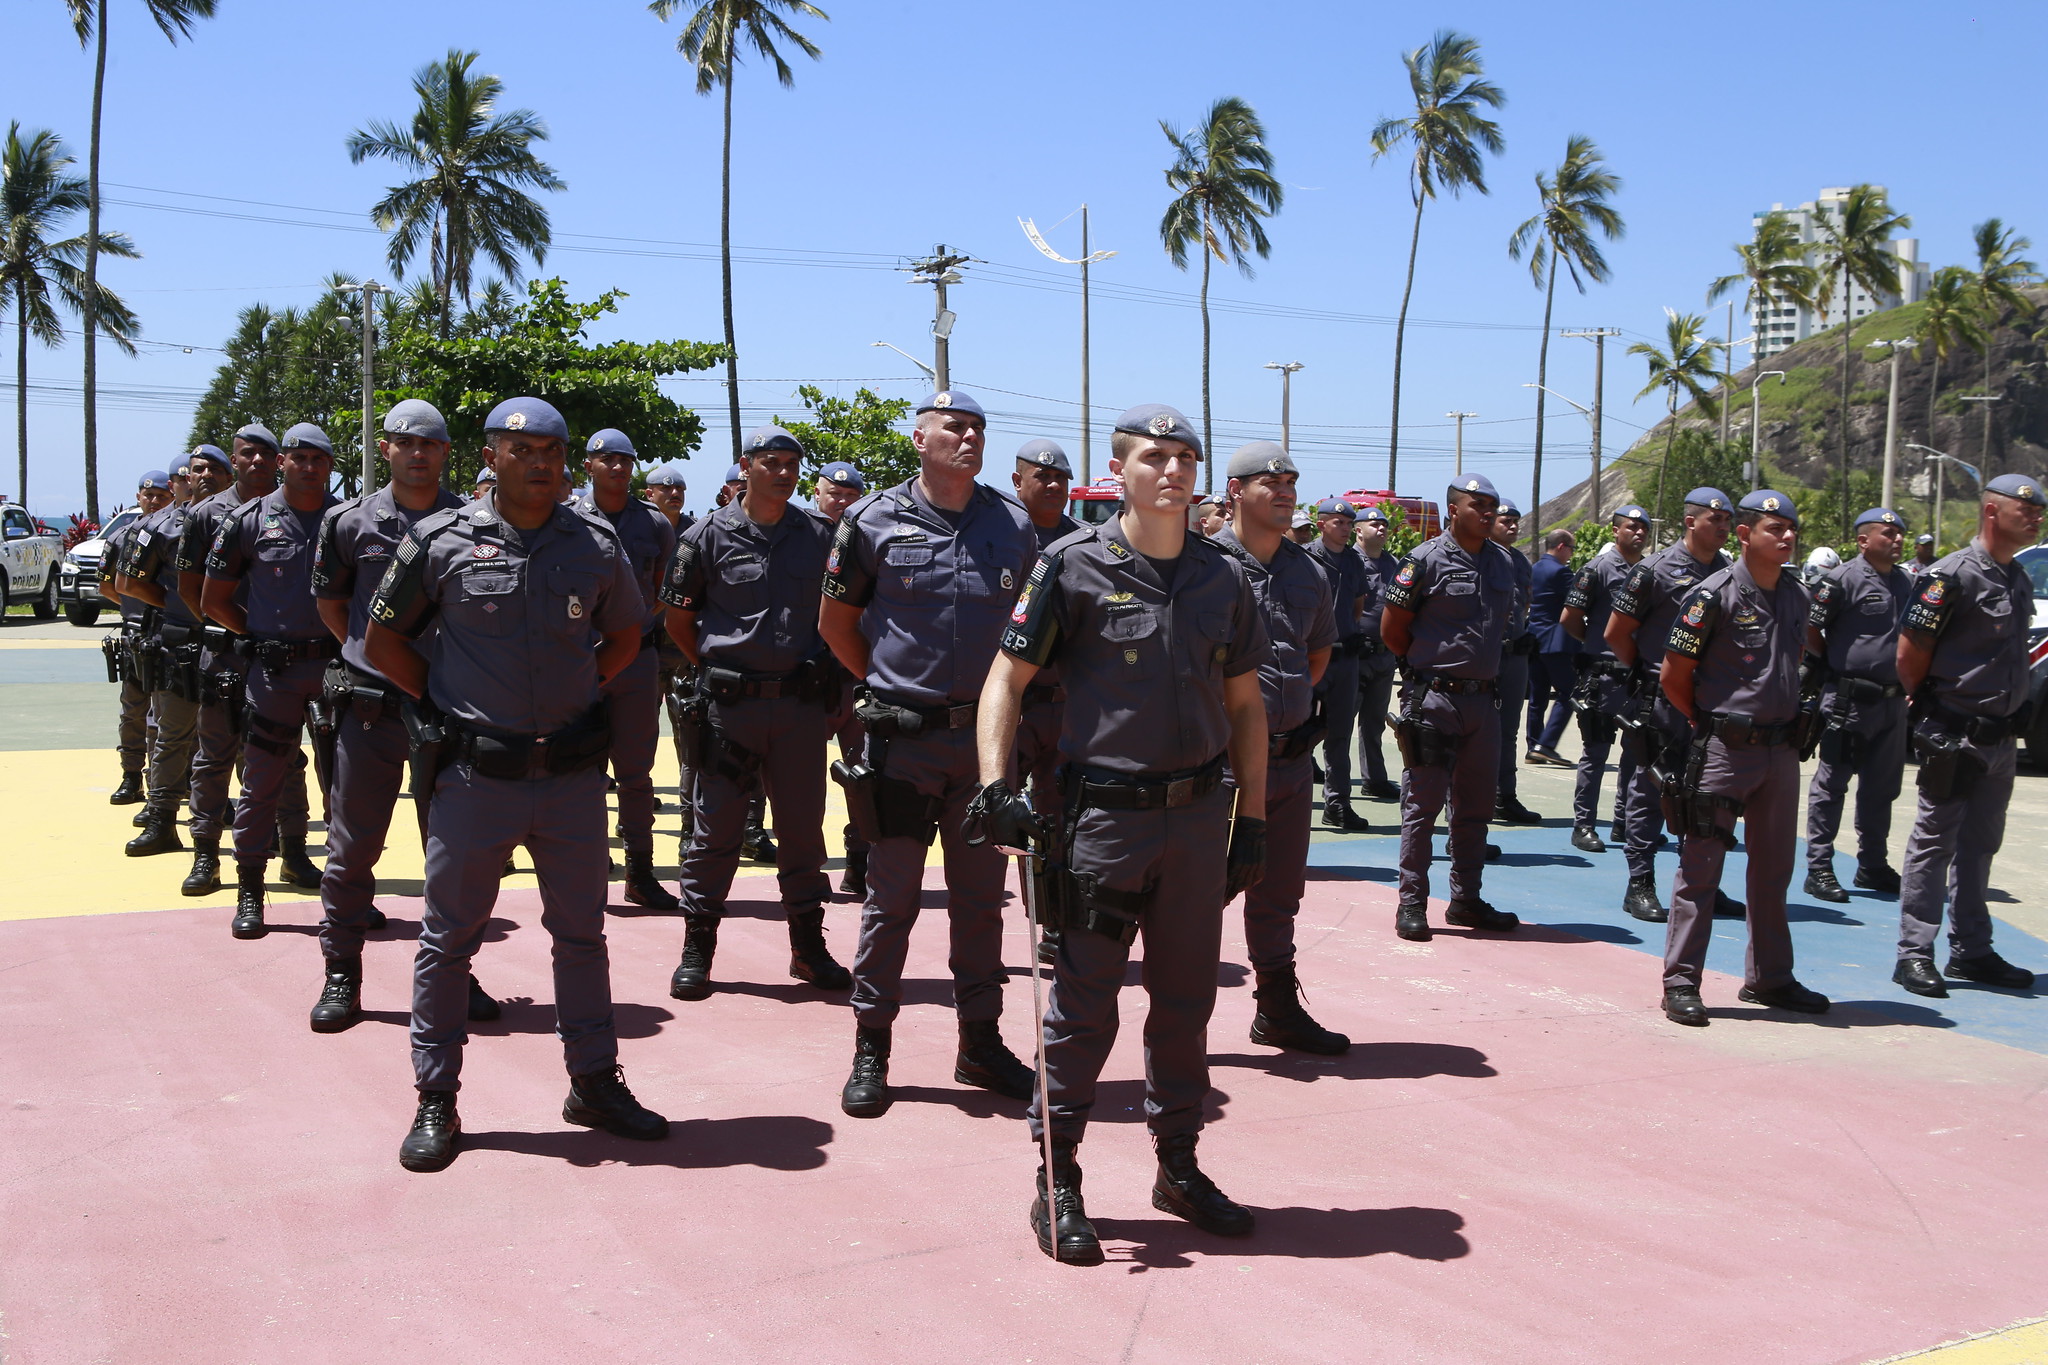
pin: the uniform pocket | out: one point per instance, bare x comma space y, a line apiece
907, 574
486, 601
1135, 637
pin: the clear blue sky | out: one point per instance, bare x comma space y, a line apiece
929, 122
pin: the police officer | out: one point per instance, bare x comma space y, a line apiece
735, 485
665, 491
1638, 627
741, 596
839, 487
516, 584
1518, 645
918, 585
1345, 569
357, 540
1446, 614
1601, 687
259, 585
1923, 554
1294, 598
758, 845
486, 480
1376, 663
1731, 668
132, 732
1551, 669
634, 692
1856, 614
1041, 480
1159, 637
1963, 659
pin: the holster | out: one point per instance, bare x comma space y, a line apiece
722, 755
1949, 767
1811, 721
1103, 910
1292, 744
690, 713
427, 749
271, 736
1839, 742
228, 688
111, 647
1050, 887
1596, 726
1688, 807
1422, 745
886, 807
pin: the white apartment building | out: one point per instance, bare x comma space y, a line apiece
1781, 324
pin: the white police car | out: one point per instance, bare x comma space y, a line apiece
78, 581
2035, 560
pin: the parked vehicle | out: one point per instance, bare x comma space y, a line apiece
29, 555
78, 577
2035, 561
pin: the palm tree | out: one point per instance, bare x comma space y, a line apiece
1950, 320
1575, 208
2001, 271
1686, 362
89, 21
1775, 270
475, 164
35, 197
1446, 133
1223, 172
1852, 252
711, 40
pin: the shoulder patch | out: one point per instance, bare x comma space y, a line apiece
1405, 575
1933, 590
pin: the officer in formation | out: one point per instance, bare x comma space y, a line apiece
741, 597
757, 844
1731, 669
1041, 480
1294, 599
918, 585
357, 541
1159, 638
1518, 646
1348, 575
1376, 663
133, 732
1923, 554
839, 487
665, 491
1638, 627
1855, 628
1446, 616
535, 607
1601, 687
1551, 670
259, 586
1962, 656
634, 692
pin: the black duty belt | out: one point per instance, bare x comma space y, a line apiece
959, 716
178, 632
1105, 790
1045, 694
584, 744
1986, 730
1357, 647
1867, 689
1606, 666
1741, 730
1458, 687
280, 653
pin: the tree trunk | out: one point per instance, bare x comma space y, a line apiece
1842, 436
21, 386
92, 274
1933, 392
444, 270
1670, 435
732, 351
1400, 335
1208, 435
1542, 378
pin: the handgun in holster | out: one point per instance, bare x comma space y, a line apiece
110, 646
1596, 726
1813, 722
881, 719
1103, 910
1422, 745
1949, 766
427, 749
690, 713
885, 807
227, 688
1636, 720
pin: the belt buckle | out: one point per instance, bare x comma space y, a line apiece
958, 717
1180, 791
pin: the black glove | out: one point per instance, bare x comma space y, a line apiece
1000, 814
1247, 861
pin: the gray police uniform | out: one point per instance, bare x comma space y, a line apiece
1748, 643
1038, 725
1462, 600
512, 662
1145, 648
935, 589
266, 547
635, 691
1376, 665
1518, 645
133, 730
1600, 692
357, 541
1977, 613
1857, 612
1293, 594
152, 556
1347, 576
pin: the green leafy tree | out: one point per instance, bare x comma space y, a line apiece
40, 271
1694, 459
1686, 363
1948, 320
1222, 178
1445, 136
1574, 213
1852, 252
288, 366
712, 40
861, 431
475, 165
2002, 271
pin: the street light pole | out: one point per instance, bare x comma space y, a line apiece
1087, 259
937, 270
369, 289
1941, 460
1984, 453
1286, 400
1756, 427
1598, 336
1460, 417
1891, 417
929, 371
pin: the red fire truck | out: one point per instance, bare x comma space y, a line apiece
1094, 503
1421, 513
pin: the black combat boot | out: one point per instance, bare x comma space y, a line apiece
430, 1146
294, 868
1822, 886
692, 979
1727, 907
1882, 878
758, 844
129, 792
866, 1092
1470, 912
159, 835
1641, 900
1790, 996
1063, 1230
482, 1008
809, 962
854, 880
1183, 1191
1917, 975
248, 921
986, 1061
1513, 812
204, 878
1337, 814
643, 887
1682, 1006
341, 999
600, 1099
1989, 969
1283, 1022
1586, 839
1411, 921
1379, 789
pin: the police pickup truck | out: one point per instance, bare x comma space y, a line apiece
2034, 560
78, 581
29, 555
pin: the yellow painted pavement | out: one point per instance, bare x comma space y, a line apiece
92, 644
2023, 1343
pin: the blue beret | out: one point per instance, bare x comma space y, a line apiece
1713, 499
735, 475
770, 438
306, 434
611, 441
1336, 507
214, 453
416, 417
258, 433
1046, 455
1924, 538
952, 400
1374, 513
1771, 501
1883, 515
1507, 508
2021, 486
1632, 511
666, 476
486, 475
531, 416
1161, 422
1477, 485
181, 468
844, 475
1259, 457
153, 478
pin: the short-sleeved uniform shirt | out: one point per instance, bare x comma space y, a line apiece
357, 540
195, 539
1462, 600
1593, 592
1294, 598
1748, 643
754, 588
649, 541
1380, 571
935, 587
1144, 647
516, 612
1857, 611
1345, 568
1525, 577
1977, 612
152, 557
112, 555
1049, 676
1655, 589
267, 546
